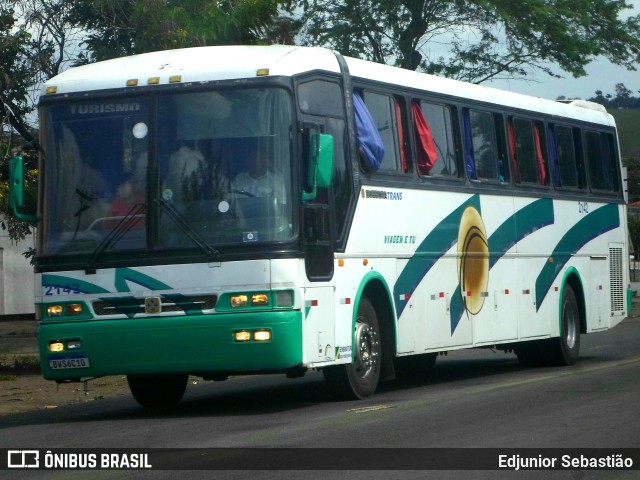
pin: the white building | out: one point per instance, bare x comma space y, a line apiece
16, 276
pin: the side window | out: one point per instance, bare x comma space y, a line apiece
569, 158
386, 112
528, 161
485, 150
600, 151
319, 97
435, 139
322, 103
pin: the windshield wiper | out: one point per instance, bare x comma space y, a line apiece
131, 219
85, 204
178, 218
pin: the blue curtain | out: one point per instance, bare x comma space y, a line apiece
553, 156
368, 139
468, 140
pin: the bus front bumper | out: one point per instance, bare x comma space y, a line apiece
185, 344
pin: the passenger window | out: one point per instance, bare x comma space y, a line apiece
569, 161
386, 112
485, 158
527, 151
435, 139
600, 150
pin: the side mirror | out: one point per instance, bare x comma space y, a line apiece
16, 190
320, 164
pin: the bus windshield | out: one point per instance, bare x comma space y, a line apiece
206, 168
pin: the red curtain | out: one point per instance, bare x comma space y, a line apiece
512, 148
542, 171
426, 147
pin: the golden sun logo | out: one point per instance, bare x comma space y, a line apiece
473, 260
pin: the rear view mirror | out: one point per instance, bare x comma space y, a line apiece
319, 164
16, 190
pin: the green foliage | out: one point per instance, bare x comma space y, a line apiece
124, 27
17, 74
476, 40
623, 98
628, 123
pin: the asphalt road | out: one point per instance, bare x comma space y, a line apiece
470, 399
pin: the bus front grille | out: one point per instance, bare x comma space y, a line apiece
168, 303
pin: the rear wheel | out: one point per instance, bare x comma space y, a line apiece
565, 349
359, 379
158, 391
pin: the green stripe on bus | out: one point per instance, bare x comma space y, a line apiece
593, 225
122, 277
536, 215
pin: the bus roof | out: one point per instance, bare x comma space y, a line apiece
201, 64
446, 86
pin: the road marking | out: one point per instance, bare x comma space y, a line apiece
372, 408
436, 397
558, 375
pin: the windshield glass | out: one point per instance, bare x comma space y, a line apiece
214, 169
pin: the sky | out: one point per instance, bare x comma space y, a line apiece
601, 75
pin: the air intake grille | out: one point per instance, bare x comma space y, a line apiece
616, 280
132, 305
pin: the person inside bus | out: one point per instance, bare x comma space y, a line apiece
127, 196
258, 180
132, 190
192, 177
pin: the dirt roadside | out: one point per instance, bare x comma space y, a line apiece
23, 389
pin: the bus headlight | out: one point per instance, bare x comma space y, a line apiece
56, 346
238, 301
242, 336
54, 310
74, 309
259, 300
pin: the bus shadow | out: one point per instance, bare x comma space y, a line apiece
274, 394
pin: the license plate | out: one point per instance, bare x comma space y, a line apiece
61, 363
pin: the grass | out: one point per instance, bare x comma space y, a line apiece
628, 123
11, 364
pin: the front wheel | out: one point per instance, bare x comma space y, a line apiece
359, 379
158, 391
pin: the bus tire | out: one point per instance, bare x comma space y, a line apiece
359, 379
565, 349
159, 390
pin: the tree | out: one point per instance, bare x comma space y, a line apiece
125, 27
16, 76
475, 40
37, 42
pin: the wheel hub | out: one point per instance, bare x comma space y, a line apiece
367, 349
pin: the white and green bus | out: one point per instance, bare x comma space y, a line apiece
221, 211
